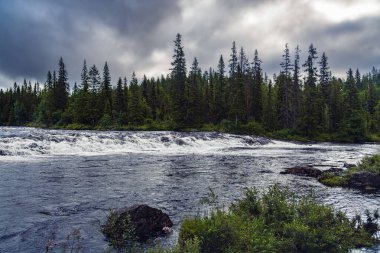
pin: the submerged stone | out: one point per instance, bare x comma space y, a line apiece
306, 171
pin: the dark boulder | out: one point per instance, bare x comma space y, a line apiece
348, 165
363, 180
306, 171
165, 139
145, 222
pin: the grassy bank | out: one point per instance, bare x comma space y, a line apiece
275, 221
365, 175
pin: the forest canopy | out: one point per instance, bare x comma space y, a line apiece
304, 99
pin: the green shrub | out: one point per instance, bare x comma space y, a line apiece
370, 164
118, 231
277, 221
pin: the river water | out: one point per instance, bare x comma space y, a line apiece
53, 181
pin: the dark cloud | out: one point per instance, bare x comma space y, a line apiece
35, 34
137, 35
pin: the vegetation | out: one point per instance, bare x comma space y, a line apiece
369, 165
277, 221
315, 105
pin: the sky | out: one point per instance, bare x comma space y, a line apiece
137, 35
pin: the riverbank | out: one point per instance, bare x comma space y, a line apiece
364, 176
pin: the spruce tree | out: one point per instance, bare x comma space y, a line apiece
84, 77
106, 89
257, 98
136, 116
284, 83
61, 88
233, 61
193, 95
178, 76
310, 105
296, 100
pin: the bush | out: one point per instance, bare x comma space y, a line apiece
253, 127
118, 231
277, 221
370, 164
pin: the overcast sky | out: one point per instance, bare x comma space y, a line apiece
137, 35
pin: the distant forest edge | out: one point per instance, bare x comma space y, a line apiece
312, 106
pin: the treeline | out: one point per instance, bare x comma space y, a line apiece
303, 99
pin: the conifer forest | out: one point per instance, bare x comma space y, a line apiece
304, 99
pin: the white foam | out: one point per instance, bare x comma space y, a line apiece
21, 142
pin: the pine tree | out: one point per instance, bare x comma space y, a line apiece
324, 77
257, 98
310, 107
233, 61
284, 84
193, 95
354, 123
106, 89
296, 89
84, 77
136, 116
220, 92
119, 98
61, 88
94, 79
178, 76
358, 80
269, 118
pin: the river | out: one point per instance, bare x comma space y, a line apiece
52, 181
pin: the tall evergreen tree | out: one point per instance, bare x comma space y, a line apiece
84, 77
233, 61
311, 110
284, 83
61, 92
106, 88
178, 75
296, 89
220, 92
257, 97
324, 77
136, 115
94, 78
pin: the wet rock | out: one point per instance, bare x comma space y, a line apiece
180, 142
348, 165
363, 180
265, 171
165, 139
33, 145
306, 171
146, 222
2, 153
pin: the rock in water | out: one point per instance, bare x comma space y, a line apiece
363, 180
303, 171
146, 222
348, 165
